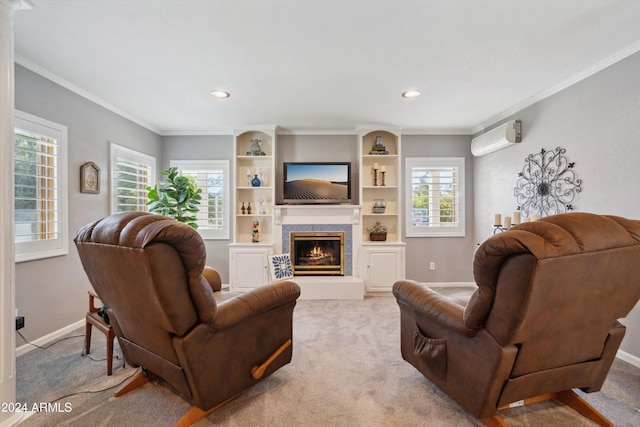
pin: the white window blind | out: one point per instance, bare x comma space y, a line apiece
131, 173
435, 197
212, 176
40, 188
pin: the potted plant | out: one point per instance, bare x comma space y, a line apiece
175, 196
378, 232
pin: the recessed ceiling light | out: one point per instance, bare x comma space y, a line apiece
220, 94
410, 93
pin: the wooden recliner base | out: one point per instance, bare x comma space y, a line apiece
194, 414
568, 397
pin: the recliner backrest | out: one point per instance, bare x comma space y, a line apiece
555, 287
149, 269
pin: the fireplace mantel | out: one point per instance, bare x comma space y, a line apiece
317, 214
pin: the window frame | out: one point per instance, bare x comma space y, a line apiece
133, 156
187, 165
39, 249
412, 163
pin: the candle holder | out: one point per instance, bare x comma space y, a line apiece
375, 177
499, 228
382, 178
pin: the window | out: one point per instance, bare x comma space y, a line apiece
131, 173
212, 176
435, 197
40, 188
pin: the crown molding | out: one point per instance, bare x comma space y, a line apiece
588, 72
79, 91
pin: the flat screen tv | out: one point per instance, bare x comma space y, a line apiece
314, 182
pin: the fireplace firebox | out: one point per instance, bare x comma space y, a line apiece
317, 253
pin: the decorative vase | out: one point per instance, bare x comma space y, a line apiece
379, 206
255, 148
255, 181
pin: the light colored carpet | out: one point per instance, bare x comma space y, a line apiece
346, 371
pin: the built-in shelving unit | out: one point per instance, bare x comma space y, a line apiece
257, 200
382, 261
376, 264
247, 258
373, 189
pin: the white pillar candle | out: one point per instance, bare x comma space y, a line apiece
535, 217
507, 222
375, 166
497, 219
516, 217
383, 169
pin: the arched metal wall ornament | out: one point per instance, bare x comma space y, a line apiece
547, 184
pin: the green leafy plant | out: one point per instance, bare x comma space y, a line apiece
175, 196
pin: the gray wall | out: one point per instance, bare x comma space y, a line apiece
597, 122
453, 256
52, 293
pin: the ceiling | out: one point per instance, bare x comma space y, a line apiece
322, 65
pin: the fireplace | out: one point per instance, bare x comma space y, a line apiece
317, 253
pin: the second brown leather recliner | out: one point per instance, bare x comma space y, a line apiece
543, 320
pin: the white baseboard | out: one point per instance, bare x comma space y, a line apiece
629, 358
43, 341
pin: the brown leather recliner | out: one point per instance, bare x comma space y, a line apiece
148, 271
543, 320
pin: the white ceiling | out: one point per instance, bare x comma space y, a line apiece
322, 65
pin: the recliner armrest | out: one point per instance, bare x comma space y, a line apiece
212, 277
432, 305
242, 306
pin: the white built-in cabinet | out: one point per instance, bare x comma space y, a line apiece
383, 265
248, 266
382, 261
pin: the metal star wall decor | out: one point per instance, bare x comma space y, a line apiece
547, 184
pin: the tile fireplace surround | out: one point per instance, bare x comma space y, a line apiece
345, 218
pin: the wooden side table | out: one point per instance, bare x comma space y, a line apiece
93, 319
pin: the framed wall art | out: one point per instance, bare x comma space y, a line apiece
90, 178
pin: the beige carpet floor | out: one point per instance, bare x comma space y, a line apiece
346, 371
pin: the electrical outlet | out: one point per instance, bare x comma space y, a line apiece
19, 322
432, 266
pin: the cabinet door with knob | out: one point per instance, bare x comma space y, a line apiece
384, 265
249, 267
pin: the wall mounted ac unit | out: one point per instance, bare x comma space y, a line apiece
496, 139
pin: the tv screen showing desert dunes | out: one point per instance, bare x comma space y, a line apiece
317, 182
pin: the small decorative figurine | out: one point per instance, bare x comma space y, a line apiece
243, 209
255, 232
262, 210
249, 209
